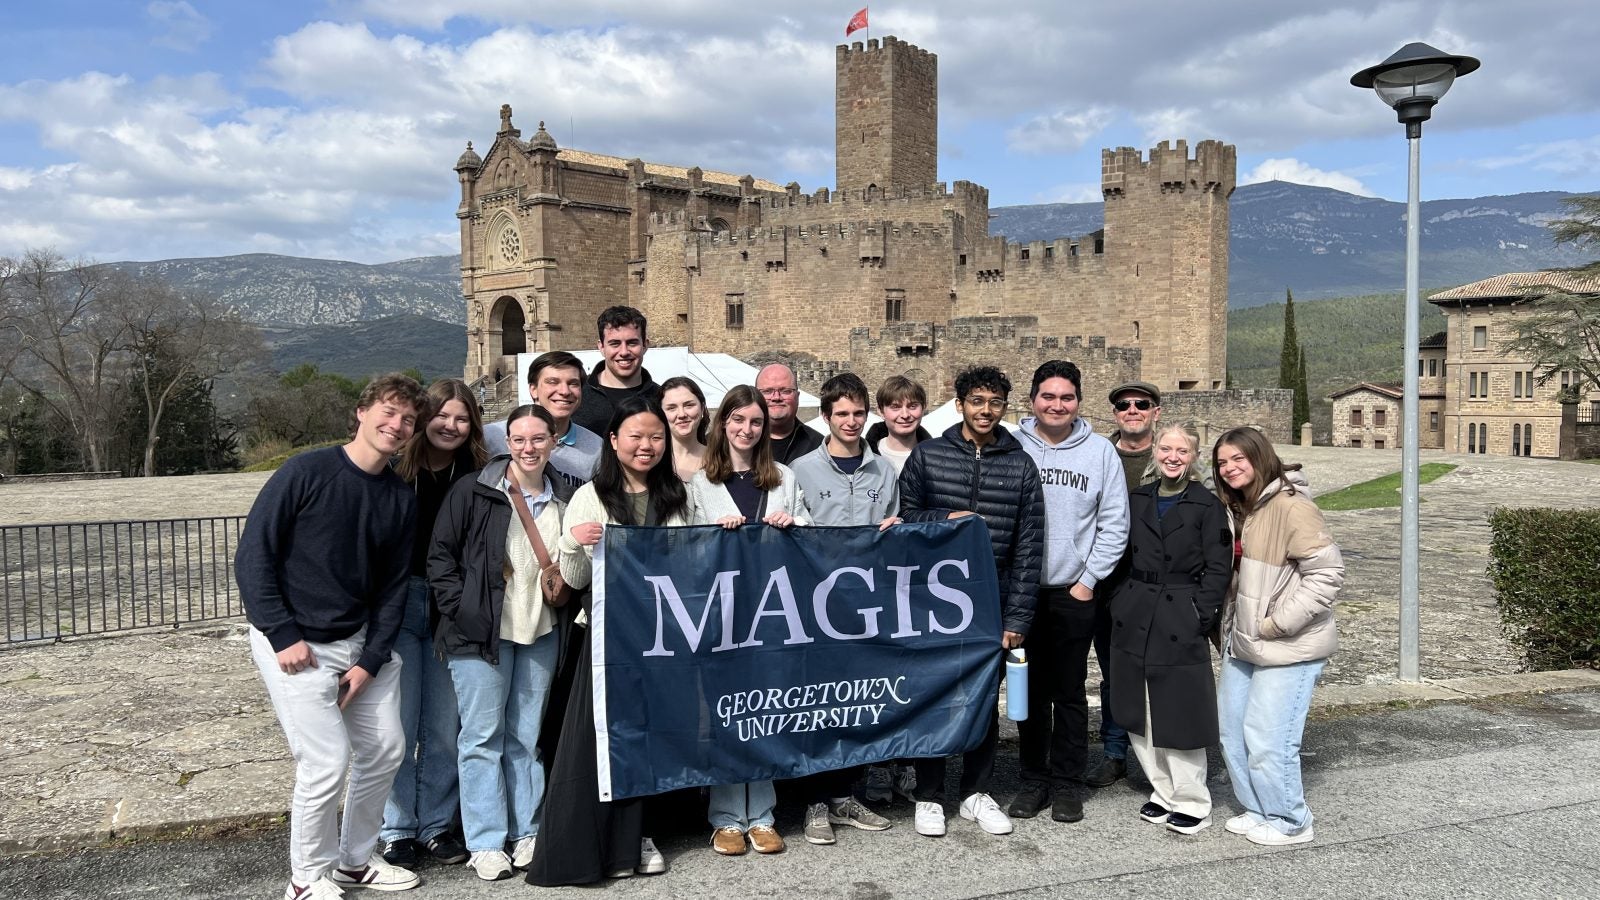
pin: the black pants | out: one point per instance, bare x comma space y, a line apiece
1055, 736
977, 765
834, 785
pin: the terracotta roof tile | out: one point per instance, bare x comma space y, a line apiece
1512, 285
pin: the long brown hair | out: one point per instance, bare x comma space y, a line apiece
719, 462
1263, 459
469, 456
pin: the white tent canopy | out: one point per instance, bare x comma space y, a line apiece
714, 372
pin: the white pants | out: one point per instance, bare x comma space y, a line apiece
366, 738
1178, 776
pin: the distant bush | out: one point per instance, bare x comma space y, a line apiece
273, 463
1545, 567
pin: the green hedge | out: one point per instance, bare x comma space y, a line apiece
1545, 567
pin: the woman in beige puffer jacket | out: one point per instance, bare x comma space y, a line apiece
1277, 634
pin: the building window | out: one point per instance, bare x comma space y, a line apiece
1355, 442
1377, 443
1420, 368
1355, 417
1472, 437
1433, 421
1472, 385
1049, 252
961, 260
1527, 439
1530, 385
1483, 437
1442, 365
894, 306
1516, 386
1380, 418
1516, 440
1566, 380
1099, 246
735, 311
1480, 337
1024, 253
1433, 367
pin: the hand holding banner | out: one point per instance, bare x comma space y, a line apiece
723, 657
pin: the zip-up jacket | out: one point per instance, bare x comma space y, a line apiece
866, 496
1289, 576
599, 402
1001, 484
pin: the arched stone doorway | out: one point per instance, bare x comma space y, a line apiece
507, 336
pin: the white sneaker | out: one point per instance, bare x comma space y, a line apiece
987, 813
321, 889
930, 819
651, 860
378, 875
1267, 836
1242, 823
522, 852
491, 865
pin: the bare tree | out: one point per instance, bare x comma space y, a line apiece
177, 337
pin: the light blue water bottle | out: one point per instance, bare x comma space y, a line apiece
1017, 684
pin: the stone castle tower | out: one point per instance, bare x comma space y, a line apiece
888, 272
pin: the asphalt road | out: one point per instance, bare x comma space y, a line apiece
1458, 800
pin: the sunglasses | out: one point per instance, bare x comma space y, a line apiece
1122, 405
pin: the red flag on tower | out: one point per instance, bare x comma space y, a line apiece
857, 22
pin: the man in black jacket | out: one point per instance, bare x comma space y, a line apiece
979, 468
620, 373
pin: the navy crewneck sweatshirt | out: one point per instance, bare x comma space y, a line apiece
326, 550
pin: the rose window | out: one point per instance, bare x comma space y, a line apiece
510, 245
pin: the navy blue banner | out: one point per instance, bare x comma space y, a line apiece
722, 657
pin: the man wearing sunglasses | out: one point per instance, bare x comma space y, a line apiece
1137, 408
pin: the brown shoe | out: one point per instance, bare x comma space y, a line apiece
729, 842
765, 839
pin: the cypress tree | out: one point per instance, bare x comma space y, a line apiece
1302, 393
1290, 369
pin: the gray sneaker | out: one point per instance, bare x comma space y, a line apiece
905, 782
880, 784
853, 812
819, 826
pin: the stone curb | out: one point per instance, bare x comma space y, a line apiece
1334, 699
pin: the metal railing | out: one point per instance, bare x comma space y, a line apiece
82, 578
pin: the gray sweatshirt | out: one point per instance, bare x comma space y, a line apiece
865, 497
1085, 502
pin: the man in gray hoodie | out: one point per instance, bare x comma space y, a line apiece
1086, 531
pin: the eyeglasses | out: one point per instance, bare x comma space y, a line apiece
778, 392
1122, 405
995, 403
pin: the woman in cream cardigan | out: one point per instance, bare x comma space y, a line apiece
742, 485
497, 634
634, 484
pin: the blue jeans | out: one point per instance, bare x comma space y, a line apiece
502, 706
742, 806
1261, 713
423, 800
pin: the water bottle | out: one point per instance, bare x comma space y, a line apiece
1017, 684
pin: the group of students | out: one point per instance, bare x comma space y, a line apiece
417, 602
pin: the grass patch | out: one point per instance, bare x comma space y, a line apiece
1379, 492
272, 463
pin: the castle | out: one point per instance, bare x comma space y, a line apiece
891, 271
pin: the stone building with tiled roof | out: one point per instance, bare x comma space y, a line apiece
1368, 415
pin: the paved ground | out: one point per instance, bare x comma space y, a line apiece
1485, 799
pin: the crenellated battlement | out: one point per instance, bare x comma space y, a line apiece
890, 45
1212, 168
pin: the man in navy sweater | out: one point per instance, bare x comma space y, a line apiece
322, 569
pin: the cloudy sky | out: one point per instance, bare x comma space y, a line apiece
147, 130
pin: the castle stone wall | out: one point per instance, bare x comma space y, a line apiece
886, 107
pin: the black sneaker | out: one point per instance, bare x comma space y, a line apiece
1029, 800
1185, 824
1066, 809
446, 848
1154, 813
401, 852
1108, 773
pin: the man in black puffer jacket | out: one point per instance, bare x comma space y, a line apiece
978, 467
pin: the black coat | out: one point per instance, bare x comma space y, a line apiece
1179, 567
466, 564
1000, 484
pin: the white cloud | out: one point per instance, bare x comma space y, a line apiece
1293, 170
1571, 156
1058, 132
183, 27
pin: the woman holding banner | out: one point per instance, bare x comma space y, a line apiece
634, 484
497, 632
741, 484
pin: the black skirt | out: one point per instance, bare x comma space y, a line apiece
581, 839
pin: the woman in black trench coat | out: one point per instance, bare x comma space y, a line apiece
1180, 555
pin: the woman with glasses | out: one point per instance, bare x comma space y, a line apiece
742, 485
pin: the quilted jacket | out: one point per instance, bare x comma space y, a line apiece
1289, 576
1001, 484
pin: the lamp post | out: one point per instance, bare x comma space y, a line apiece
1412, 81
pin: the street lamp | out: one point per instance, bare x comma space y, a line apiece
1412, 81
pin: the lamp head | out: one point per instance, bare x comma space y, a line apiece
1413, 79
